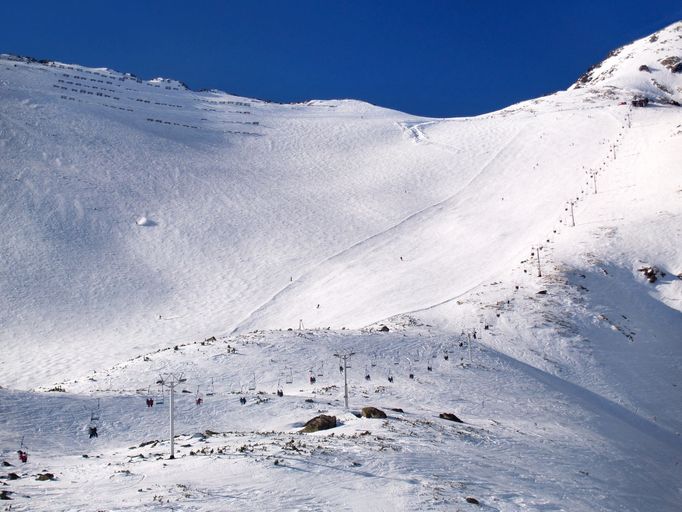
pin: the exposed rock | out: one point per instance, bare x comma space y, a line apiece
373, 412
384, 328
42, 477
473, 501
645, 68
4, 495
450, 417
13, 476
321, 422
672, 63
397, 409
650, 273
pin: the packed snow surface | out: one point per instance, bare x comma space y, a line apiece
526, 264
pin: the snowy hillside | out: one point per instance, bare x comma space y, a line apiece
140, 218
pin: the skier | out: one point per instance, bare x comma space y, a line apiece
23, 456
93, 432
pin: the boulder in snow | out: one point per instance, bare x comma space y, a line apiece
450, 417
373, 412
321, 422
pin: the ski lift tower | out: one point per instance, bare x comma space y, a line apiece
344, 360
171, 380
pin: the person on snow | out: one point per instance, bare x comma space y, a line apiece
93, 432
23, 456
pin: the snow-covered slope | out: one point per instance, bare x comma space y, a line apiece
139, 215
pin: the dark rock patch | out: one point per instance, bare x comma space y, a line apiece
321, 422
672, 63
373, 412
450, 417
651, 273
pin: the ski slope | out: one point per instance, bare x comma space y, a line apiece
139, 216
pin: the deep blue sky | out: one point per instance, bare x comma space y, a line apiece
435, 58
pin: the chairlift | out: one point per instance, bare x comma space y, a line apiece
429, 365
23, 451
390, 376
94, 413
160, 399
311, 376
212, 392
252, 383
280, 391
373, 361
289, 379
320, 370
198, 397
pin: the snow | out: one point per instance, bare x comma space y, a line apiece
150, 229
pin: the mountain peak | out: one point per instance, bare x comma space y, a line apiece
650, 67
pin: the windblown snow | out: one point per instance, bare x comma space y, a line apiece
526, 264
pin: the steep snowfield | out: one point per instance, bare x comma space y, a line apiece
138, 216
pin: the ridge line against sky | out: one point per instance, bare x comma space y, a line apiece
430, 58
